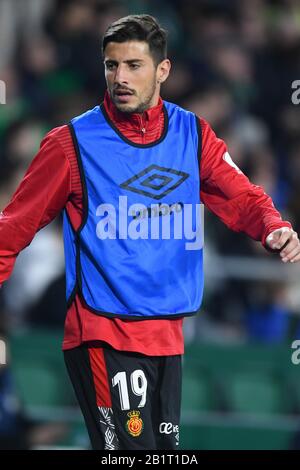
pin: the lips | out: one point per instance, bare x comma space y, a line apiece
122, 92
123, 95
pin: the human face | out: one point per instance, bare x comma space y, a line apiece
133, 80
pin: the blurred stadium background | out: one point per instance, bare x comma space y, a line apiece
233, 63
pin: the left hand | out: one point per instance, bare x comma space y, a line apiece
288, 238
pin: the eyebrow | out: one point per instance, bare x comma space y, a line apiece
129, 61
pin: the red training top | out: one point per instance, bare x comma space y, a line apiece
52, 182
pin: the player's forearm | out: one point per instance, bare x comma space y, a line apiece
229, 194
257, 215
251, 212
39, 198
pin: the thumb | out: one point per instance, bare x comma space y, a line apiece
274, 239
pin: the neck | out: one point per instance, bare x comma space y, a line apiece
145, 128
154, 102
125, 116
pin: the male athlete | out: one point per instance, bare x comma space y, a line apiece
128, 175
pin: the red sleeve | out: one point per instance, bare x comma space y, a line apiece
228, 193
40, 197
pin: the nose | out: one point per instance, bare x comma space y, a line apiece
121, 76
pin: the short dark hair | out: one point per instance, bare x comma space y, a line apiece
138, 28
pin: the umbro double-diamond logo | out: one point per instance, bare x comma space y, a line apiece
155, 181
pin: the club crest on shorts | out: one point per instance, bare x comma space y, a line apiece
135, 424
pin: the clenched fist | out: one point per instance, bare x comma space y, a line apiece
286, 240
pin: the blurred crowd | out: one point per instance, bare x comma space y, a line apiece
234, 63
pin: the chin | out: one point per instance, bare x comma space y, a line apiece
125, 108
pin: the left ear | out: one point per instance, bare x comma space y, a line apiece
163, 70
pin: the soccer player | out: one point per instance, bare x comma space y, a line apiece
130, 176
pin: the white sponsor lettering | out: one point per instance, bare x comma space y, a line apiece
168, 428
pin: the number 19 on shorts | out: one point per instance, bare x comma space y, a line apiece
138, 384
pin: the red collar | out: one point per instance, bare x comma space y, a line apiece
147, 120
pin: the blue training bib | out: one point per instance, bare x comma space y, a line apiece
139, 250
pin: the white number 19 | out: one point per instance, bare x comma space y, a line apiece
138, 383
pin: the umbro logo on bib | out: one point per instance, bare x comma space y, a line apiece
155, 181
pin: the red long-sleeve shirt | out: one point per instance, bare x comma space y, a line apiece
52, 182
